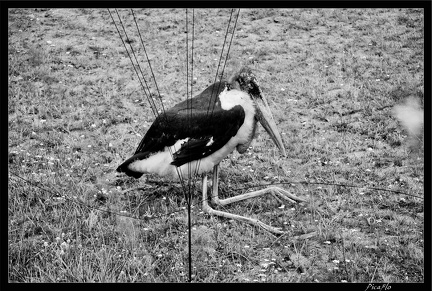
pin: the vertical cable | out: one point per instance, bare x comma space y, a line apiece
188, 195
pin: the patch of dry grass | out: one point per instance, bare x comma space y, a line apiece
333, 77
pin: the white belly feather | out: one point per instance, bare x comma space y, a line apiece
160, 163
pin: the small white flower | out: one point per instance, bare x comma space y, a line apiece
64, 246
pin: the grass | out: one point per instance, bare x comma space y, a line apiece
76, 111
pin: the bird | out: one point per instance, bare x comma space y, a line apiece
195, 135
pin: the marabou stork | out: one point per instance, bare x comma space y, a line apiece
204, 130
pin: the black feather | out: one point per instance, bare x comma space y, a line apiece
199, 119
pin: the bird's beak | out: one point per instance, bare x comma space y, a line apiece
265, 117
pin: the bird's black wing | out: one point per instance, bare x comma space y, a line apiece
174, 124
201, 120
208, 133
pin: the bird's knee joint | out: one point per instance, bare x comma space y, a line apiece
207, 209
216, 201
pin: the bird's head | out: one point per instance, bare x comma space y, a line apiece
246, 81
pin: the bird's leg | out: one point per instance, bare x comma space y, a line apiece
212, 211
214, 196
283, 194
277, 192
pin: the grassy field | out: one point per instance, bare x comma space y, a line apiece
344, 86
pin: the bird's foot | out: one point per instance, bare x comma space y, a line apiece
284, 194
249, 220
279, 193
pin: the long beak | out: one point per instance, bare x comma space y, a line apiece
265, 117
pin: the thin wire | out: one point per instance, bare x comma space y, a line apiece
188, 195
189, 95
191, 181
152, 104
198, 164
328, 184
188, 198
178, 169
190, 178
192, 73
31, 183
226, 59
151, 101
220, 59
187, 90
148, 60
52, 193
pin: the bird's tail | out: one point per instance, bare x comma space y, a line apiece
124, 167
